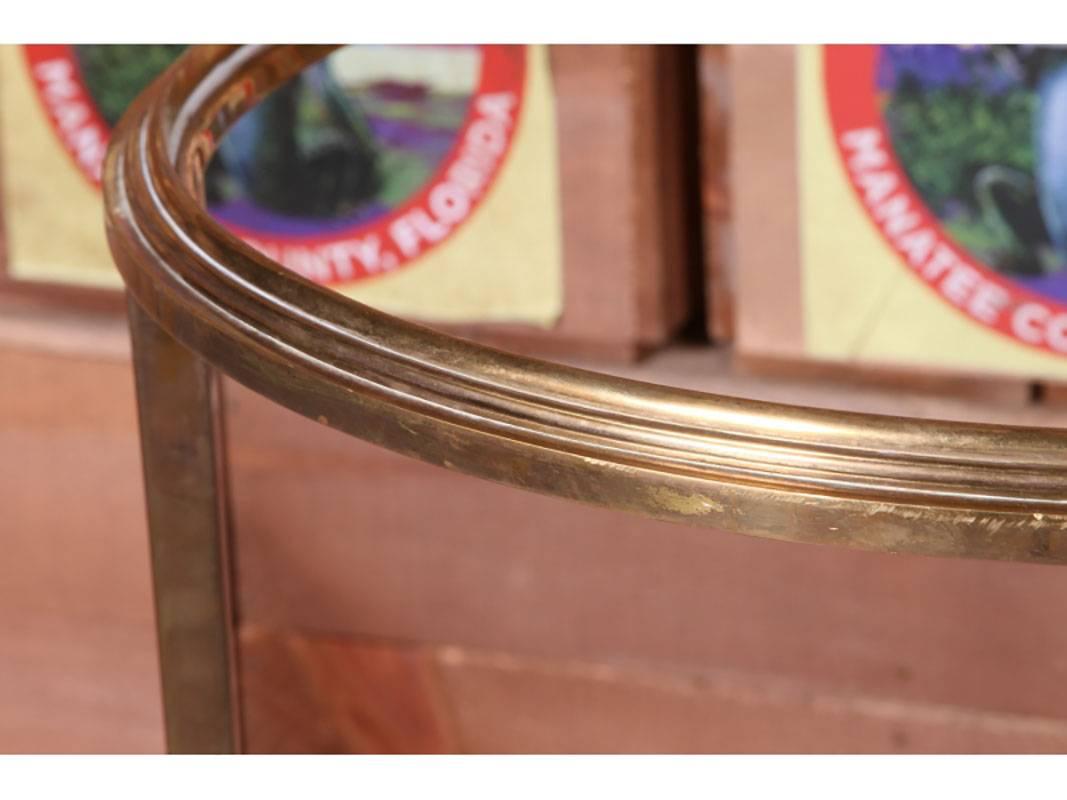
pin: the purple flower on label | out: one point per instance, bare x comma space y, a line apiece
932, 65
991, 69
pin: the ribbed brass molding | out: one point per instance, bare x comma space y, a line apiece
784, 472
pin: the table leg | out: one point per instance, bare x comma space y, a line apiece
185, 485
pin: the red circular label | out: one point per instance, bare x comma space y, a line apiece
466, 151
896, 207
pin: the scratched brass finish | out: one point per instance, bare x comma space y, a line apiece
186, 491
201, 299
784, 472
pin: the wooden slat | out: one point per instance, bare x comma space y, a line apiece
716, 105
765, 201
78, 668
329, 694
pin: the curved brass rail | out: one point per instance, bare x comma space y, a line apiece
877, 482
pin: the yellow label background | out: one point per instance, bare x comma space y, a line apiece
861, 302
504, 263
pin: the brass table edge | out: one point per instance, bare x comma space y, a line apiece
785, 472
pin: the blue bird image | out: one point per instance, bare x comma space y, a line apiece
1032, 209
1050, 148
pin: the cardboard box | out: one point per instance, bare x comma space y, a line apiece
896, 209
529, 196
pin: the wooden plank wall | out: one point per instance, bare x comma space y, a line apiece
390, 607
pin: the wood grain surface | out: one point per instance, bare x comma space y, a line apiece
324, 694
388, 606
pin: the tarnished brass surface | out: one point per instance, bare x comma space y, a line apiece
784, 472
186, 496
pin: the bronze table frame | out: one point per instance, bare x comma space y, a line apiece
202, 302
